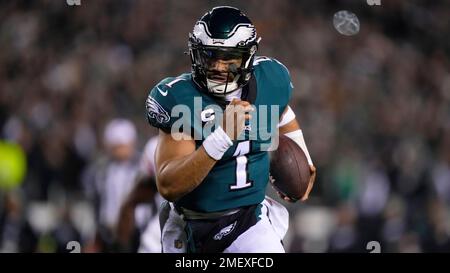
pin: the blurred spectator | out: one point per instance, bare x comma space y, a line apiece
438, 237
139, 213
16, 234
346, 237
65, 231
110, 179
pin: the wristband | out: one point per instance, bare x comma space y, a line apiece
217, 143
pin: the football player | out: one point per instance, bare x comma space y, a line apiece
215, 181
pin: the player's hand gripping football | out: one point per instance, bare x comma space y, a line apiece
234, 117
312, 179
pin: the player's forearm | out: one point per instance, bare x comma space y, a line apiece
180, 176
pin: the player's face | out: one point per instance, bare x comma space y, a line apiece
221, 64
219, 69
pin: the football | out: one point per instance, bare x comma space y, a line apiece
289, 169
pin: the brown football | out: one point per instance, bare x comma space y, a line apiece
289, 168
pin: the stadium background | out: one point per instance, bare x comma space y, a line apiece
375, 109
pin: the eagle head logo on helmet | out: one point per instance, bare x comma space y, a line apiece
222, 47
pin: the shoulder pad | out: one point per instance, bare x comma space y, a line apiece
161, 100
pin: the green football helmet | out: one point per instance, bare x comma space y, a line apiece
226, 35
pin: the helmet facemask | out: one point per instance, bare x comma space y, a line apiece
221, 70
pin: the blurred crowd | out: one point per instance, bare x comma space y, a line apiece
374, 107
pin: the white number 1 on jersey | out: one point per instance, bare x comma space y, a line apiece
242, 149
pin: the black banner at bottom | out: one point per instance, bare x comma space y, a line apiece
218, 262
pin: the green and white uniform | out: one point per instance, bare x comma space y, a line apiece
228, 211
241, 176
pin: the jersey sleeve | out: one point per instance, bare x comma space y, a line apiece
159, 104
285, 83
278, 77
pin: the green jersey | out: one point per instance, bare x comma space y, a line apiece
241, 176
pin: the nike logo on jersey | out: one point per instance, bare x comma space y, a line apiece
162, 92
